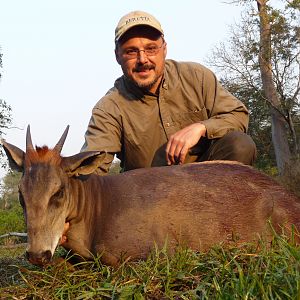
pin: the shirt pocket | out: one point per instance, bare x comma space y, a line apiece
184, 119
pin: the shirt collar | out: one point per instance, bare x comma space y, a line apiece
165, 80
133, 89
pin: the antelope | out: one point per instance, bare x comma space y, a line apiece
123, 216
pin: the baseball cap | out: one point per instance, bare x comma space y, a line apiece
136, 18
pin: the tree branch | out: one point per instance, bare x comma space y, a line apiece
18, 234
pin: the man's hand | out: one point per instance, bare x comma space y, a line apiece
64, 238
184, 139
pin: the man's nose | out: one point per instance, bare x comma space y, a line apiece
142, 56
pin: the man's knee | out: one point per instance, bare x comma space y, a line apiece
239, 141
235, 145
243, 147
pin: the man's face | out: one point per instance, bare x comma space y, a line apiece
141, 54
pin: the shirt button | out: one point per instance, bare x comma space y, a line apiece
168, 124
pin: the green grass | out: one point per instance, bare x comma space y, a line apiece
253, 271
11, 220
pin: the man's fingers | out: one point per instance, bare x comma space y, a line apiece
170, 149
167, 153
64, 238
180, 151
173, 150
170, 156
180, 142
183, 153
176, 152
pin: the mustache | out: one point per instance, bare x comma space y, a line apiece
142, 68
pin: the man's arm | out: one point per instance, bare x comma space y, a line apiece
225, 113
103, 134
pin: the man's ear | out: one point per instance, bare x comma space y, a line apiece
117, 55
83, 163
165, 49
15, 156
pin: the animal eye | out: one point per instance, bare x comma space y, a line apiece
55, 199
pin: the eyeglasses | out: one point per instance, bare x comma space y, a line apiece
152, 50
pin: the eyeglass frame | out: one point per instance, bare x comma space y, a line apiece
136, 51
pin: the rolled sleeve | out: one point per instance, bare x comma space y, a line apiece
225, 112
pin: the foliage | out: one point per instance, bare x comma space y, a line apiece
252, 271
115, 168
11, 212
5, 122
11, 220
5, 117
291, 179
237, 62
9, 190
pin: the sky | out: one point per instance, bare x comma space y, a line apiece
58, 57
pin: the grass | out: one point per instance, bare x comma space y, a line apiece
252, 271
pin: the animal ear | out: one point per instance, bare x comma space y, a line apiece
15, 156
83, 163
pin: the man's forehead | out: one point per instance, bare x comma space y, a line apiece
142, 31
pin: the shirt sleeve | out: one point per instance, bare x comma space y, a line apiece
225, 112
104, 133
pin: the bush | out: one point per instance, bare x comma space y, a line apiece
291, 179
11, 220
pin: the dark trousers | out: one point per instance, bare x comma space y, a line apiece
235, 145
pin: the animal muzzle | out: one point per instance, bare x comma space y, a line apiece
39, 259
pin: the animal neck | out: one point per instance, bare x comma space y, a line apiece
83, 199
84, 210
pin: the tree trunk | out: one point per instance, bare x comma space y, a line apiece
279, 131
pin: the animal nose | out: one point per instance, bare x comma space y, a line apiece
39, 259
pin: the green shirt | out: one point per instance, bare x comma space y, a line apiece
137, 126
